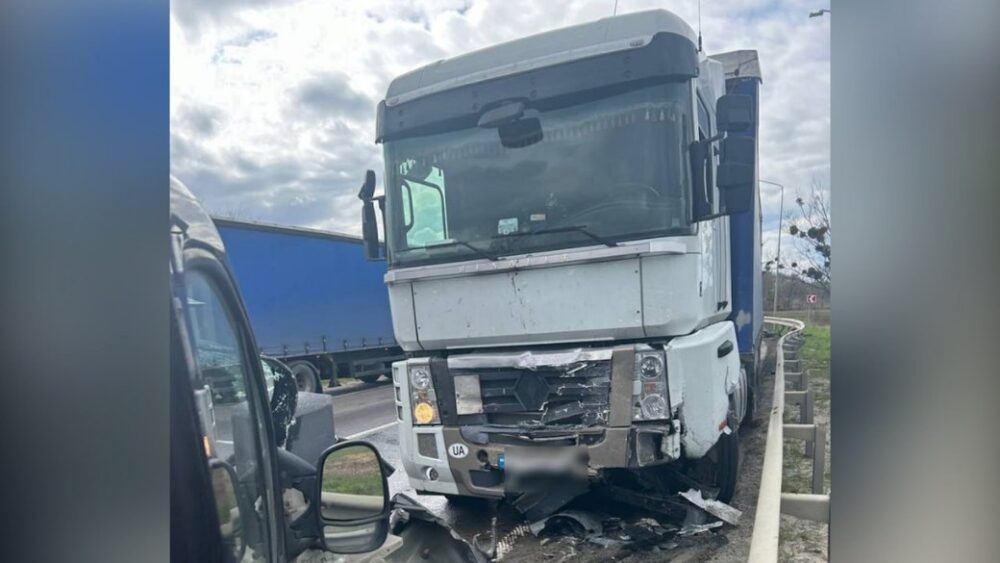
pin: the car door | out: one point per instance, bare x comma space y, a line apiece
232, 407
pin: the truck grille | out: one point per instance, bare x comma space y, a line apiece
572, 395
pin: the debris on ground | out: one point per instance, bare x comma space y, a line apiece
575, 522
716, 508
692, 529
423, 532
506, 543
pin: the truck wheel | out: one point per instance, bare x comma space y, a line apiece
369, 378
720, 467
752, 396
306, 376
727, 465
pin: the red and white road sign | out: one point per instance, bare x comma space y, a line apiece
811, 298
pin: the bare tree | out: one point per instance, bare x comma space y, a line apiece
812, 237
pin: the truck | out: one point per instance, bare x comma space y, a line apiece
315, 302
572, 231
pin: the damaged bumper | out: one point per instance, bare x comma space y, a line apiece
501, 417
486, 424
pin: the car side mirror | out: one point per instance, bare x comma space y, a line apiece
229, 506
353, 498
736, 174
369, 225
734, 113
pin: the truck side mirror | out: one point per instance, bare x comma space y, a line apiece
736, 174
734, 113
369, 225
353, 498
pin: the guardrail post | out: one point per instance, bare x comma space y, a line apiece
819, 458
807, 418
807, 507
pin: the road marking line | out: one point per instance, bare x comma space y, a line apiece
370, 431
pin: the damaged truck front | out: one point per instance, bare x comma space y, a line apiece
572, 227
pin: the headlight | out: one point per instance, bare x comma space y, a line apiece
650, 367
654, 406
423, 398
421, 378
649, 395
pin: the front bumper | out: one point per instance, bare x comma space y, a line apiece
468, 454
458, 465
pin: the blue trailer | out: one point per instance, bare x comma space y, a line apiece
313, 299
743, 77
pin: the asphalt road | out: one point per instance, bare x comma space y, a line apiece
369, 406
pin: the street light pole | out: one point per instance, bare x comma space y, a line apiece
777, 266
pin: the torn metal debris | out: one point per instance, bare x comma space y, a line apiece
692, 529
423, 533
719, 509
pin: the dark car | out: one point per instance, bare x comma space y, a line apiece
237, 493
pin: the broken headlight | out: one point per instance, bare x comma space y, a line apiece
649, 395
423, 399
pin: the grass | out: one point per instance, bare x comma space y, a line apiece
353, 484
352, 470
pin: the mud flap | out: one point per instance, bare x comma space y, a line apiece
427, 537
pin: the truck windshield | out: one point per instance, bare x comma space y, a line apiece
615, 168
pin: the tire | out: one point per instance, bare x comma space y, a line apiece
720, 467
727, 465
369, 378
753, 394
306, 376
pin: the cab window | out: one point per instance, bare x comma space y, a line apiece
230, 420
705, 131
424, 206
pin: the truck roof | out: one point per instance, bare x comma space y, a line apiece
283, 229
739, 64
536, 51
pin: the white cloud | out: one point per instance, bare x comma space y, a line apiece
273, 101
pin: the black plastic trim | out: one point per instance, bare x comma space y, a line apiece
667, 57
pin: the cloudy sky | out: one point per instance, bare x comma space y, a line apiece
273, 101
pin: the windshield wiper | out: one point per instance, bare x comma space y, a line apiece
454, 242
582, 229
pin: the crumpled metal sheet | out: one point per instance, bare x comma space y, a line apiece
716, 508
692, 529
427, 537
529, 360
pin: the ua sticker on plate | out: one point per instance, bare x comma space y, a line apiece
458, 450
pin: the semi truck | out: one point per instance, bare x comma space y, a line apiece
315, 302
572, 230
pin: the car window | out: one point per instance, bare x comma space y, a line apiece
230, 421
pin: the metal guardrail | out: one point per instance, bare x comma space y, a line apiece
771, 502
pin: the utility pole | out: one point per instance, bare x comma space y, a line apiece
777, 266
